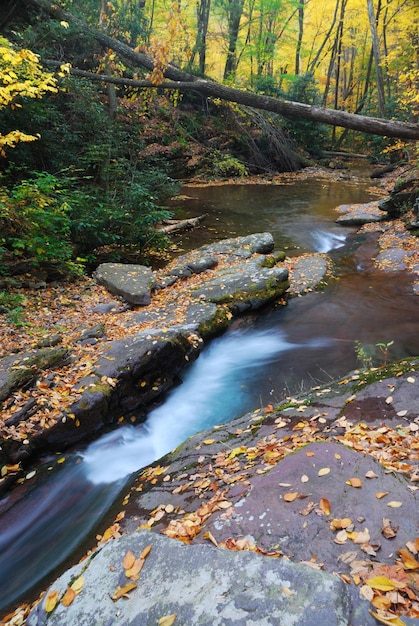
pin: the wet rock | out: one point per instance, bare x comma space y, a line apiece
226, 588
360, 214
133, 282
17, 370
308, 272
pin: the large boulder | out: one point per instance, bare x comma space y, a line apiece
198, 585
132, 282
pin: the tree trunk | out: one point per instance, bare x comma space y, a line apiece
183, 81
234, 15
377, 57
300, 36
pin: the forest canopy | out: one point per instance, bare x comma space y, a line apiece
123, 95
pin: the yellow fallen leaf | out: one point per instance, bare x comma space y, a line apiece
409, 561
360, 537
324, 471
68, 597
381, 494
120, 592
395, 504
382, 583
236, 451
337, 456
169, 508
290, 496
208, 442
287, 591
167, 620
388, 620
51, 601
77, 585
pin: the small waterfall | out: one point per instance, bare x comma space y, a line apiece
214, 391
327, 240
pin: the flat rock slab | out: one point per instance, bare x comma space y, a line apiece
203, 586
359, 214
308, 272
133, 282
299, 528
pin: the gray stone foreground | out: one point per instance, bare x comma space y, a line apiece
202, 585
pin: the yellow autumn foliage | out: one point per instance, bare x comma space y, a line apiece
21, 76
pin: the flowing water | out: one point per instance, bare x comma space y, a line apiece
261, 359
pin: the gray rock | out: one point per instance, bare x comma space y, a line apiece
308, 273
361, 214
203, 586
247, 288
133, 282
392, 259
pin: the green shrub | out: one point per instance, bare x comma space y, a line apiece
35, 225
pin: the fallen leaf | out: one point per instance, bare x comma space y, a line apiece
121, 592
410, 379
324, 506
210, 536
401, 413
371, 474
339, 523
395, 504
51, 601
167, 620
387, 529
236, 451
341, 537
360, 537
323, 471
381, 494
409, 561
77, 585
68, 597
290, 496
129, 560
309, 453
389, 400
381, 602
304, 478
382, 583
208, 442
354, 482
388, 620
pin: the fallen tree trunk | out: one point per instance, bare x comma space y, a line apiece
176, 226
183, 81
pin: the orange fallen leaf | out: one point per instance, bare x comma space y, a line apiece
371, 474
339, 523
129, 560
381, 494
324, 506
387, 529
381, 602
309, 453
354, 482
290, 496
68, 597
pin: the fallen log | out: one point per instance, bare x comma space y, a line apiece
175, 226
